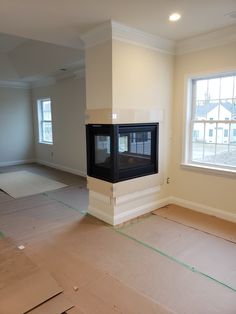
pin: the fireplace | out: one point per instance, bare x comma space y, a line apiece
118, 152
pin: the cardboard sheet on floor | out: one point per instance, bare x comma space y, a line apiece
24, 183
209, 224
87, 250
72, 196
208, 254
23, 285
56, 305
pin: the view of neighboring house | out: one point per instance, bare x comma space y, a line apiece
215, 131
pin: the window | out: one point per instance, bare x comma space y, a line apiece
210, 133
212, 140
45, 121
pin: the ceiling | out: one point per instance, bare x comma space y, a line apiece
62, 21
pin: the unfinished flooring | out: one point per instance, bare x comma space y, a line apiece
112, 270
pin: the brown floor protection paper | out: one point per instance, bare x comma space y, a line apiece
213, 256
23, 285
209, 224
84, 252
56, 305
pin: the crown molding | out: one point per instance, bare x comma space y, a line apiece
212, 39
113, 30
14, 84
97, 35
135, 36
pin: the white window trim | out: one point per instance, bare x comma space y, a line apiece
39, 115
186, 161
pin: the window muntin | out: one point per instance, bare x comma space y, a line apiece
45, 121
213, 136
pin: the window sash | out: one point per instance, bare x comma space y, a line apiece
218, 141
44, 124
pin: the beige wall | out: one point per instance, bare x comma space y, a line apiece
68, 107
98, 61
142, 78
210, 190
16, 127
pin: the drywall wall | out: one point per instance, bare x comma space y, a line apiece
68, 151
195, 186
8, 72
99, 76
16, 126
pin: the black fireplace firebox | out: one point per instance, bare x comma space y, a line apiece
118, 152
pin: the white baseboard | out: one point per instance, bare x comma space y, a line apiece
101, 215
61, 167
16, 162
219, 213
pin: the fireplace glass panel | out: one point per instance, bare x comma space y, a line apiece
134, 149
103, 151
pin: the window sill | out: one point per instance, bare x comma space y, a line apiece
209, 169
45, 143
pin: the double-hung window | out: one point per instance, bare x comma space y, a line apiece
211, 141
45, 121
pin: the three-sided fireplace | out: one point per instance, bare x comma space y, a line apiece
117, 152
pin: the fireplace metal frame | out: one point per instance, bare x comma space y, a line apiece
114, 173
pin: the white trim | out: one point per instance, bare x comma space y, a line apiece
208, 169
113, 30
61, 167
16, 162
212, 39
136, 195
132, 35
100, 215
97, 35
144, 209
201, 208
15, 84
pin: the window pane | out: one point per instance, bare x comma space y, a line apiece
207, 110
222, 130
197, 141
214, 89
221, 154
232, 155
233, 133
134, 149
46, 110
209, 152
226, 90
102, 150
210, 133
226, 110
47, 132
201, 89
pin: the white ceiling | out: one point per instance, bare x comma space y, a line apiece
61, 21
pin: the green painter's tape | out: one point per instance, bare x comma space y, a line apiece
83, 212
174, 259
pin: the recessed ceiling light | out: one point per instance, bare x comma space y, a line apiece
174, 17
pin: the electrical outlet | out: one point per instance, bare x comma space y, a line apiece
168, 180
